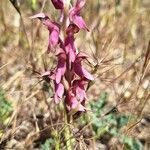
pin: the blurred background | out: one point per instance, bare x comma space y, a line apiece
118, 115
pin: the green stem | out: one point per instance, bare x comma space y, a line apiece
57, 142
67, 132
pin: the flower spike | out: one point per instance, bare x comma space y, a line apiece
69, 77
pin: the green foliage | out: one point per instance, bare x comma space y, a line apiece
111, 123
98, 105
48, 145
5, 107
132, 144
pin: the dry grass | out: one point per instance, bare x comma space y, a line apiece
120, 59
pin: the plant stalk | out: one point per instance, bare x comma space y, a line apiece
67, 132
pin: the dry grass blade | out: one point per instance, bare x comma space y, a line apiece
147, 58
15, 3
12, 79
3, 66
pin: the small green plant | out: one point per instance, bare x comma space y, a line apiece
5, 107
110, 124
48, 145
131, 143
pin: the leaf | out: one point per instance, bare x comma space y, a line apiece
5, 107
48, 145
132, 144
98, 105
122, 120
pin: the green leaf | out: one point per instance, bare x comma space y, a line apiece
48, 145
5, 107
122, 120
132, 144
97, 106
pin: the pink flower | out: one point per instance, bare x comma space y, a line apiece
70, 47
74, 15
59, 91
61, 66
72, 103
79, 89
79, 69
54, 29
58, 4
69, 42
69, 76
59, 88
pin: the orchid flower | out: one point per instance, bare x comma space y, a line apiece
79, 69
59, 91
61, 66
72, 102
53, 27
59, 87
74, 15
79, 89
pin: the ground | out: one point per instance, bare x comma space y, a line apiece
118, 114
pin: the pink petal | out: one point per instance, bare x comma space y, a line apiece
80, 71
74, 103
53, 28
79, 89
61, 67
72, 55
58, 76
60, 90
81, 94
70, 47
74, 15
78, 21
54, 37
81, 108
39, 15
87, 74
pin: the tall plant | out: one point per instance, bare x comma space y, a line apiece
69, 76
